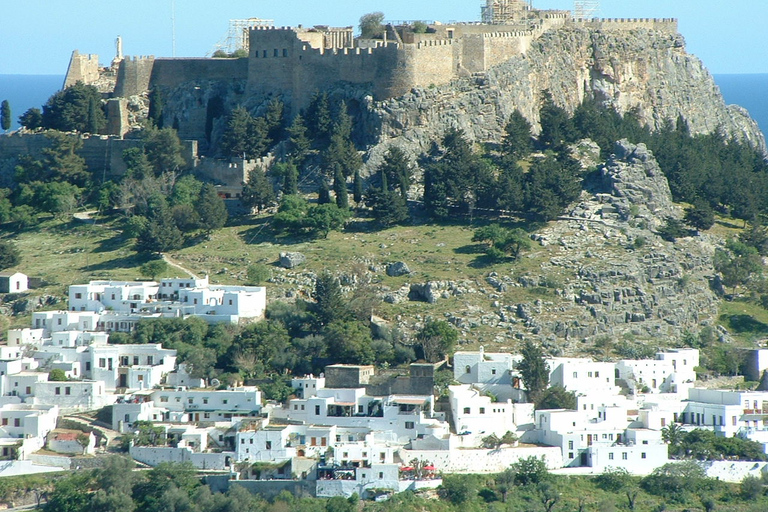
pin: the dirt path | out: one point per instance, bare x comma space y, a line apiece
176, 265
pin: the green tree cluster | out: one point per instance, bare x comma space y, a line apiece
77, 108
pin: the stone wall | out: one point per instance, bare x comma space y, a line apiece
103, 154
173, 72
133, 76
483, 461
153, 456
82, 68
664, 24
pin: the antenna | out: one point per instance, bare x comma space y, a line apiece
585, 9
173, 26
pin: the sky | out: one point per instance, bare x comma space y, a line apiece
38, 36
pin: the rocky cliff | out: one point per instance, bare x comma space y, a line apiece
629, 69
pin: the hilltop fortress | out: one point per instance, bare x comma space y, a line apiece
414, 80
295, 62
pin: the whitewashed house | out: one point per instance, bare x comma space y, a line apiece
13, 282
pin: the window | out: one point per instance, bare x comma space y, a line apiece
135, 359
163, 398
5, 421
150, 360
205, 400
275, 53
16, 422
482, 410
317, 410
338, 439
642, 455
570, 455
381, 475
409, 425
589, 374
575, 375
623, 455
493, 371
313, 441
466, 410
570, 445
57, 391
285, 52
225, 401
67, 390
323, 441
467, 369
28, 390
102, 362
78, 295
597, 374
269, 445
610, 456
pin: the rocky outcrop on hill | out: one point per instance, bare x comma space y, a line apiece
615, 276
639, 69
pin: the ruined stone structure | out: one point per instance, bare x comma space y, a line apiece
82, 68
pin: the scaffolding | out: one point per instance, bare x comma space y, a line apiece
503, 12
237, 35
586, 9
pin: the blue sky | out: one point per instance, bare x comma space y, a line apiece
38, 36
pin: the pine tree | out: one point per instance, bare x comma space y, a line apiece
161, 233
211, 209
397, 169
5, 115
517, 142
556, 125
275, 119
258, 192
289, 175
156, 107
318, 119
330, 306
298, 141
340, 189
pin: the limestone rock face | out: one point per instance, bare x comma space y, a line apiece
636, 185
644, 70
617, 277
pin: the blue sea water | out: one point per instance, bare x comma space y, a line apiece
749, 91
26, 91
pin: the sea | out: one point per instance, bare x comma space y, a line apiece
26, 91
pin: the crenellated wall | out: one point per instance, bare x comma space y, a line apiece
663, 24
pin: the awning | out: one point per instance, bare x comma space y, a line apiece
409, 401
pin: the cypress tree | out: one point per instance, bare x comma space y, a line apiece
340, 189
211, 209
324, 194
358, 187
5, 115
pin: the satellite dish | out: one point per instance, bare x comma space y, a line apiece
215, 383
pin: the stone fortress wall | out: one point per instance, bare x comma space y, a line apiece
82, 68
133, 76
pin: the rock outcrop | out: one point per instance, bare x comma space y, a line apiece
645, 70
615, 276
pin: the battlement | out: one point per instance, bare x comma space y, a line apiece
663, 24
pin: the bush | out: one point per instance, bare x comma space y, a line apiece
258, 273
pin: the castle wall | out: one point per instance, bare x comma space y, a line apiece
431, 62
117, 117
133, 76
103, 154
662, 24
281, 62
174, 72
82, 68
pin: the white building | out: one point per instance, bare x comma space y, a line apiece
476, 413
15, 282
23, 428
121, 304
583, 376
182, 405
672, 371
